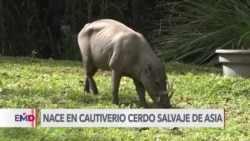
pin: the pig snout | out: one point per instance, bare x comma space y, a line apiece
163, 100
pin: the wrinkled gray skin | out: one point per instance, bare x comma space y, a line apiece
110, 45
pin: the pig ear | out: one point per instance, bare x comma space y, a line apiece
149, 69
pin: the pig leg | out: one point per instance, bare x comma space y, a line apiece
86, 87
90, 82
116, 78
141, 93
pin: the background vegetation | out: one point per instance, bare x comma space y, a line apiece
36, 83
196, 28
181, 30
48, 28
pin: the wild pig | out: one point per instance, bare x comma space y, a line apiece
110, 45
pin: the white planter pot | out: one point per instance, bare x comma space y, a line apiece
235, 62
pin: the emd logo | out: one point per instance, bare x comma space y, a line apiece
24, 117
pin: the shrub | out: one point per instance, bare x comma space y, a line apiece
196, 28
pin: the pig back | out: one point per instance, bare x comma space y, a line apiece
115, 46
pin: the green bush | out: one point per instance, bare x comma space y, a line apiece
196, 28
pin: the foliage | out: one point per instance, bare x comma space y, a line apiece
196, 28
35, 26
37, 83
50, 27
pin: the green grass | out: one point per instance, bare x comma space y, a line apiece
37, 83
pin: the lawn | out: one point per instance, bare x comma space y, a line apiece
37, 83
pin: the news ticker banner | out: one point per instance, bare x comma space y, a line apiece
113, 118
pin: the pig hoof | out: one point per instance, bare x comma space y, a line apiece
95, 92
176, 131
146, 107
143, 128
86, 91
115, 102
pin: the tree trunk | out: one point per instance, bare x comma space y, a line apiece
90, 6
104, 8
136, 13
2, 28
